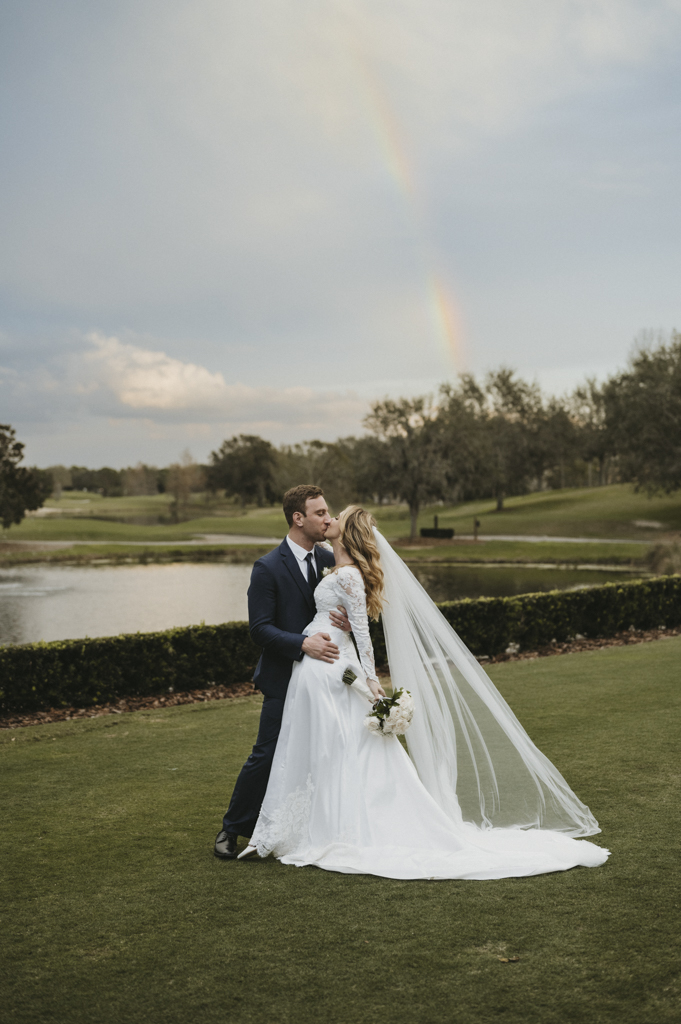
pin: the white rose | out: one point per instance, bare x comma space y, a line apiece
372, 724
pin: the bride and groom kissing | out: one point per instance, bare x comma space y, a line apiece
473, 798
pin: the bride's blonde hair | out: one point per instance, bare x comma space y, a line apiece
357, 537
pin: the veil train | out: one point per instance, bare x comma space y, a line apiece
471, 752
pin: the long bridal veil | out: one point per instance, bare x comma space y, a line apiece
471, 752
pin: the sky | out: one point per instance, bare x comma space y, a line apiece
222, 217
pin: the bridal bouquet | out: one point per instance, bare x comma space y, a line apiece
391, 714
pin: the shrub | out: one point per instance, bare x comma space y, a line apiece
83, 672
488, 625
665, 558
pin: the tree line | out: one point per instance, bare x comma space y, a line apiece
476, 438
483, 438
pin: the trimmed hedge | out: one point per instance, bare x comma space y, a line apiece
34, 677
490, 624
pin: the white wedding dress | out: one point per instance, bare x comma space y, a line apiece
346, 799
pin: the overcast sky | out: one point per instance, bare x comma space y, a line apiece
222, 217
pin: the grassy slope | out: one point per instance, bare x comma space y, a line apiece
586, 512
589, 512
606, 512
483, 551
118, 913
519, 551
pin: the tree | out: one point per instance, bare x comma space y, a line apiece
593, 438
21, 490
462, 420
245, 467
411, 460
105, 481
140, 479
643, 416
504, 422
184, 477
514, 424
329, 464
557, 441
61, 479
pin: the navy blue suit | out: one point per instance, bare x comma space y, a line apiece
280, 605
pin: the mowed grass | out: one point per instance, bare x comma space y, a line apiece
538, 552
115, 911
484, 551
609, 512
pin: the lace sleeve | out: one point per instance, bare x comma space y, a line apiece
351, 583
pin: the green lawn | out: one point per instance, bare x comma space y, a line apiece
115, 911
607, 512
525, 551
483, 551
579, 512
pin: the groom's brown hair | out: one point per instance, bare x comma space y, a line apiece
296, 498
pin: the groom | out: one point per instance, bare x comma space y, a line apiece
280, 605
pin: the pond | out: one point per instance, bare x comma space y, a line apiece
453, 582
47, 602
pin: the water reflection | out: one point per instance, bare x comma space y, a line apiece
60, 602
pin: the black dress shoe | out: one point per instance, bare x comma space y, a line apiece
225, 846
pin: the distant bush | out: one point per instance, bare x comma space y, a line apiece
665, 558
79, 673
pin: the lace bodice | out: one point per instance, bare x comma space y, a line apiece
345, 586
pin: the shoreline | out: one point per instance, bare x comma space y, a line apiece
242, 550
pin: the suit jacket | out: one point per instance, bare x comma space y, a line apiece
280, 605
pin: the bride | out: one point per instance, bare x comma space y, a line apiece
475, 798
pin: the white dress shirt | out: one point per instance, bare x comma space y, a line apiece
301, 554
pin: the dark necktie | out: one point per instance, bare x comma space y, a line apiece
311, 574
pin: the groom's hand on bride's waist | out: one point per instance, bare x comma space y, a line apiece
321, 646
339, 619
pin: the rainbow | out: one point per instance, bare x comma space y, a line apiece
442, 308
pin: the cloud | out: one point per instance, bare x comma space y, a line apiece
106, 378
142, 379
150, 381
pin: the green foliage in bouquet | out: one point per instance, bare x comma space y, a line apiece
391, 714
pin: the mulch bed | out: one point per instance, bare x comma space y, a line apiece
629, 636
170, 700
163, 700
